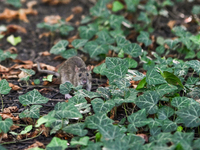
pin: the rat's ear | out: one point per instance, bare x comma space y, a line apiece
88, 68
76, 68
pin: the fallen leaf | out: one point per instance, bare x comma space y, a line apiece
45, 53
45, 34
144, 136
14, 87
69, 18
171, 23
12, 50
46, 67
188, 19
3, 69
46, 130
13, 127
9, 115
77, 10
11, 109
56, 2
36, 144
31, 4
53, 19
12, 28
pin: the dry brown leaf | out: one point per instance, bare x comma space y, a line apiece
27, 64
46, 67
45, 53
144, 136
9, 115
171, 23
77, 10
45, 34
12, 28
10, 109
30, 4
55, 2
6, 76
69, 18
14, 87
46, 130
53, 19
36, 144
3, 69
3, 136
9, 15
13, 127
12, 50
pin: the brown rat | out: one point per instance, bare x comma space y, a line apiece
73, 70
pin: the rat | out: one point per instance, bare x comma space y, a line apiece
73, 70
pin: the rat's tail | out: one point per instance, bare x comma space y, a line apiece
47, 71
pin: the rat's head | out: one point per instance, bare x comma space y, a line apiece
83, 75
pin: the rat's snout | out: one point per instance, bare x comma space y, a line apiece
84, 81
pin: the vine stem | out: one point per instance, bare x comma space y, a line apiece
1, 102
23, 139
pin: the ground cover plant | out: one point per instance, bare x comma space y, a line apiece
147, 52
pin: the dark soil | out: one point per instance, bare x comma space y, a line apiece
31, 46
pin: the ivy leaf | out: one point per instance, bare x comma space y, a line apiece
122, 42
155, 131
138, 119
144, 18
104, 38
97, 121
56, 142
5, 124
66, 87
29, 72
154, 78
162, 138
66, 110
77, 43
115, 22
32, 97
76, 129
87, 32
195, 39
192, 80
117, 6
181, 102
132, 5
100, 9
33, 113
59, 47
27, 129
94, 49
171, 43
136, 75
14, 40
80, 141
100, 69
77, 99
69, 53
112, 62
165, 112
169, 126
184, 139
85, 93
104, 92
165, 89
15, 3
99, 106
4, 87
131, 63
148, 101
190, 115
194, 64
133, 49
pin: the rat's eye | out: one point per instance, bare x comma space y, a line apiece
87, 74
80, 75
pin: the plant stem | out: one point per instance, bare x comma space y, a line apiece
125, 110
1, 102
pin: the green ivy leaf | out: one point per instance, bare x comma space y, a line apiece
104, 92
33, 113
76, 129
49, 78
122, 42
115, 23
4, 87
165, 112
144, 18
66, 110
141, 84
6, 54
5, 124
104, 38
165, 89
66, 87
97, 121
15, 3
14, 40
117, 6
94, 49
65, 29
169, 126
27, 129
80, 140
87, 32
181, 102
132, 5
171, 43
196, 9
85, 93
194, 64
148, 101
69, 53
99, 106
59, 47
131, 63
138, 119
154, 78
160, 49
56, 142
32, 97
144, 38
190, 115
77, 43
100, 69
133, 49
100, 9
192, 80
